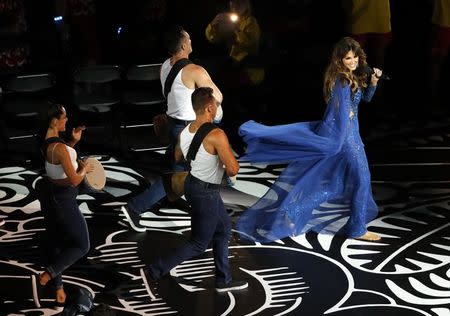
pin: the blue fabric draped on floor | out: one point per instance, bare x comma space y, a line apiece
326, 163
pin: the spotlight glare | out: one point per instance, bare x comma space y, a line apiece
234, 17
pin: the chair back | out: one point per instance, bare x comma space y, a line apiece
31, 82
97, 74
24, 105
149, 72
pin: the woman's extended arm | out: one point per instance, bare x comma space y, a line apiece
370, 90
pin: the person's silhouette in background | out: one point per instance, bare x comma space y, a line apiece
242, 71
369, 22
239, 31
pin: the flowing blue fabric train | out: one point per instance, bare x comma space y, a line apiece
326, 163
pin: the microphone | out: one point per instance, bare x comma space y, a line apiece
369, 71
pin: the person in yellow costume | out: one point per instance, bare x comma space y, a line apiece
241, 33
369, 22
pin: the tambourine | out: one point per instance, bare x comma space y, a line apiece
96, 179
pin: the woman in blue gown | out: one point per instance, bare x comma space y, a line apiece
326, 161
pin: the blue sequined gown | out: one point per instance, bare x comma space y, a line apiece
326, 163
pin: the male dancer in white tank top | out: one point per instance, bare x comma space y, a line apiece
209, 219
179, 105
179, 110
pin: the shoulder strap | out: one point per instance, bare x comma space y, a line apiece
180, 64
201, 133
49, 141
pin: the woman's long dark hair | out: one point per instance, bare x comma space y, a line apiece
336, 68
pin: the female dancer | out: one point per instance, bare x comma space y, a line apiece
327, 162
68, 237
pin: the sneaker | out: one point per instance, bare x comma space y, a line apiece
133, 219
2, 222
149, 282
36, 288
234, 285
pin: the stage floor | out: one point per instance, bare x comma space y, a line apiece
406, 273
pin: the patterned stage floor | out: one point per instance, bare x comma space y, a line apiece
407, 273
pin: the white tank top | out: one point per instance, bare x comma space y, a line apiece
206, 167
56, 172
179, 104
